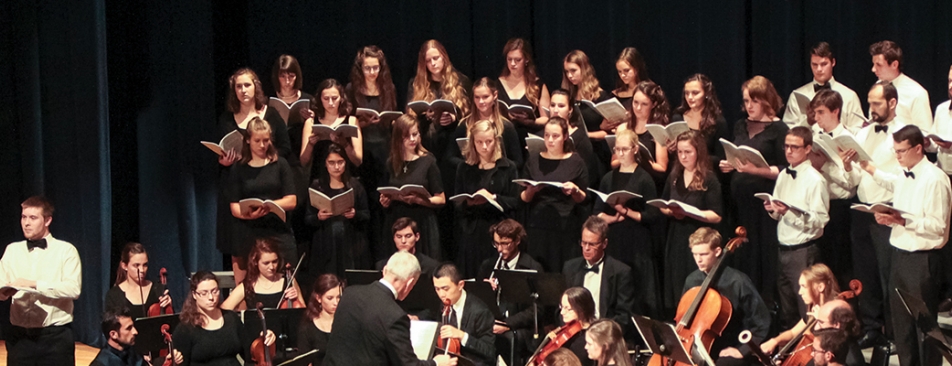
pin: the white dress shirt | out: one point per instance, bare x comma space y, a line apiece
511, 264
943, 127
837, 180
389, 287
58, 274
879, 146
851, 104
593, 282
913, 106
458, 308
925, 199
808, 192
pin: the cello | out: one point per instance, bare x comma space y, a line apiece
155, 309
799, 351
449, 345
260, 353
702, 311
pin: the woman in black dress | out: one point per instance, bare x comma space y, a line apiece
371, 86
578, 77
560, 105
437, 79
411, 163
485, 171
132, 290
633, 222
692, 181
265, 279
331, 109
206, 334
554, 220
245, 102
763, 131
261, 174
701, 110
485, 94
649, 106
577, 304
338, 242
521, 85
318, 321
631, 71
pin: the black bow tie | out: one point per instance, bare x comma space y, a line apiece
793, 173
909, 174
818, 87
30, 244
881, 128
829, 133
594, 269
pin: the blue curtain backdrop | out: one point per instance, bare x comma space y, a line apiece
103, 103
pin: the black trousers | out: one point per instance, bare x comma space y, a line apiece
871, 257
918, 274
793, 260
53, 346
835, 245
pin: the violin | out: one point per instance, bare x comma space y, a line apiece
703, 312
288, 303
167, 338
799, 351
155, 309
261, 354
562, 335
449, 345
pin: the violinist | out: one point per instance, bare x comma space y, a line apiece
132, 290
318, 321
208, 335
839, 314
817, 286
577, 305
469, 320
749, 311
265, 279
120, 337
605, 344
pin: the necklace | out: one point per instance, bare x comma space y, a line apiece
405, 164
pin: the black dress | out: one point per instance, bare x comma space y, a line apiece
510, 146
576, 344
270, 301
116, 300
422, 171
226, 124
295, 131
554, 221
679, 262
201, 347
585, 150
473, 222
758, 261
593, 122
339, 242
522, 130
630, 241
270, 182
715, 150
310, 338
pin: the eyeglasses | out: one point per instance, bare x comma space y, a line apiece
587, 244
371, 68
792, 147
621, 150
902, 151
502, 243
337, 163
213, 292
565, 308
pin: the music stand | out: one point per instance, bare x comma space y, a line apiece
304, 359
484, 292
283, 322
662, 338
361, 276
150, 339
522, 286
422, 297
926, 322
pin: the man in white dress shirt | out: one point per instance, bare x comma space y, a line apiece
919, 229
802, 217
942, 126
822, 63
913, 107
43, 276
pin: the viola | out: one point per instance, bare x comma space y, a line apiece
261, 354
703, 312
449, 345
155, 309
562, 335
799, 351
167, 338
288, 303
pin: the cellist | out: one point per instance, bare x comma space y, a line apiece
265, 280
132, 290
817, 286
749, 311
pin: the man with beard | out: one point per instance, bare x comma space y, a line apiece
830, 347
120, 333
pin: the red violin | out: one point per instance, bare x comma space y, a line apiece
562, 335
261, 354
288, 303
155, 309
449, 345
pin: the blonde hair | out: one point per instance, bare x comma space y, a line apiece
450, 86
588, 88
629, 135
470, 153
705, 236
608, 335
817, 274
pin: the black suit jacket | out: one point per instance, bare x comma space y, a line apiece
371, 329
616, 294
478, 322
427, 264
520, 315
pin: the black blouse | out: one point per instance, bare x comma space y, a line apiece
550, 207
279, 132
590, 116
270, 301
269, 182
201, 347
311, 338
116, 300
710, 199
769, 143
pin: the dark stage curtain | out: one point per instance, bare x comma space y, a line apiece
103, 102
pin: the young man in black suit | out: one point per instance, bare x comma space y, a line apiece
405, 237
608, 279
370, 328
470, 321
507, 235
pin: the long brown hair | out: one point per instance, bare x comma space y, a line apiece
131, 248
582, 302
324, 283
660, 110
702, 165
191, 315
317, 103
633, 58
588, 88
530, 77
712, 106
607, 334
450, 86
497, 118
567, 145
257, 125
261, 246
401, 130
388, 94
234, 105
762, 91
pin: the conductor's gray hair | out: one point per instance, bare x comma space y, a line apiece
402, 265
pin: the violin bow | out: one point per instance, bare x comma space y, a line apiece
291, 280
